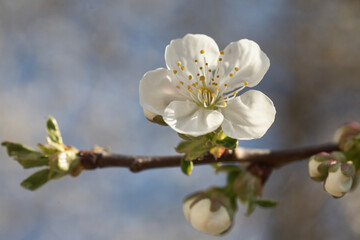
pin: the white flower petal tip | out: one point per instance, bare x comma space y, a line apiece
204, 220
198, 92
339, 180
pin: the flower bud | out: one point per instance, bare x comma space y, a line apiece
208, 214
318, 166
347, 131
340, 179
154, 118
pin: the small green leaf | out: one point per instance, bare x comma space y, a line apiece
228, 142
266, 203
53, 130
47, 150
26, 156
194, 148
251, 207
186, 166
36, 180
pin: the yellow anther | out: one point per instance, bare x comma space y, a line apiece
222, 52
217, 76
189, 87
177, 86
224, 104
235, 92
220, 59
225, 85
175, 71
181, 82
201, 88
213, 95
178, 63
236, 69
216, 89
246, 83
182, 68
231, 75
190, 77
202, 51
196, 60
202, 78
204, 100
212, 79
214, 83
198, 74
190, 90
194, 85
206, 64
209, 70
205, 91
201, 68
198, 91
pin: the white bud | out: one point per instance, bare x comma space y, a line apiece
186, 207
337, 183
149, 115
206, 221
313, 168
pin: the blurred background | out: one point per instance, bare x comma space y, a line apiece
82, 61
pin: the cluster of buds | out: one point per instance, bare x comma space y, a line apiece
209, 212
336, 172
339, 169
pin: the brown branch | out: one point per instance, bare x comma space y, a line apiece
263, 157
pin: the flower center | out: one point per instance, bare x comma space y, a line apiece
204, 87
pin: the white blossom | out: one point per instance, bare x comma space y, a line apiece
198, 92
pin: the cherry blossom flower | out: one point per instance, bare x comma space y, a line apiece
199, 90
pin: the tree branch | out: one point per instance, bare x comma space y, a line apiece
264, 157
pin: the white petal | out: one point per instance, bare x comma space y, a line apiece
252, 64
313, 168
157, 90
248, 116
188, 118
187, 49
203, 220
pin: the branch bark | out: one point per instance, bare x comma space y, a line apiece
263, 157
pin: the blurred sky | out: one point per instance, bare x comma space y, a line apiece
81, 61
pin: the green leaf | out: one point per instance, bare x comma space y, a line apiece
266, 203
194, 148
251, 207
186, 166
228, 142
26, 156
36, 180
53, 130
47, 150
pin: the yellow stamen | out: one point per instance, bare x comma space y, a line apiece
182, 68
213, 95
189, 87
222, 52
216, 89
209, 70
200, 68
220, 59
235, 92
181, 82
198, 91
195, 60
177, 86
190, 90
178, 63
246, 83
206, 64
217, 76
205, 91
204, 100
202, 78
224, 104
198, 74
236, 69
225, 85
190, 77
231, 74
175, 71
202, 51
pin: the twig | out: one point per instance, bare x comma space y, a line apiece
263, 157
